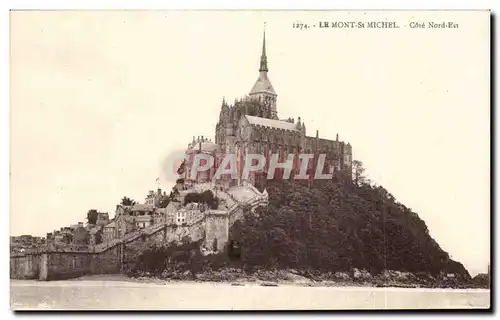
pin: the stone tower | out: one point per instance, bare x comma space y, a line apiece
263, 89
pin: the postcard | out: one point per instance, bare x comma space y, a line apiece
250, 160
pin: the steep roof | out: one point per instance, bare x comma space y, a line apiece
110, 225
173, 206
142, 207
145, 218
263, 85
95, 230
276, 124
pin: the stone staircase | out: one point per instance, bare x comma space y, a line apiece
129, 237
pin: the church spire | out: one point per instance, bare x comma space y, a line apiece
263, 57
262, 90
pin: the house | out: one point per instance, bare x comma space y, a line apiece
58, 237
142, 209
108, 232
143, 215
81, 236
124, 221
102, 219
95, 235
144, 221
180, 217
171, 211
76, 226
160, 215
155, 198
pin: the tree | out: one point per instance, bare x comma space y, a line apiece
358, 172
126, 201
92, 216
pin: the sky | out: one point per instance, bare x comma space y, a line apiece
99, 99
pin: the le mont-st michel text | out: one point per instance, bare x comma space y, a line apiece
375, 25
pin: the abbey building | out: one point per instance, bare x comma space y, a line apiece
251, 125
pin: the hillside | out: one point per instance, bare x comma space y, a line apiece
339, 225
331, 229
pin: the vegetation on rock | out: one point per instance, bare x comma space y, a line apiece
339, 225
206, 197
323, 229
126, 201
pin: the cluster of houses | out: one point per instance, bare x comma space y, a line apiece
127, 218
79, 233
25, 243
156, 209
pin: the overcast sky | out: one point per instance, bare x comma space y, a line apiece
99, 99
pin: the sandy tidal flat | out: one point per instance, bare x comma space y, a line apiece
134, 295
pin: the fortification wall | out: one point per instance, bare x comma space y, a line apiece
25, 266
118, 256
106, 262
216, 227
64, 265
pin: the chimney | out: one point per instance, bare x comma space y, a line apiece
317, 133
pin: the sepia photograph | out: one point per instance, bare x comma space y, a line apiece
250, 160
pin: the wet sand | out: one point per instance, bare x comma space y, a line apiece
118, 292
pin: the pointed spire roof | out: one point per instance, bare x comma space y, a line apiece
263, 85
263, 56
